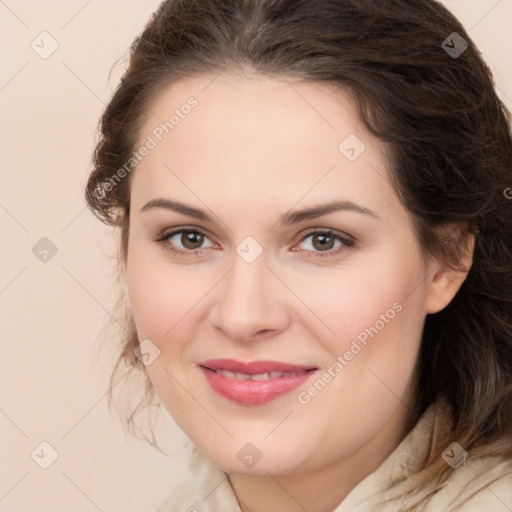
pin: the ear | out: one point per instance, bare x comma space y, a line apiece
444, 280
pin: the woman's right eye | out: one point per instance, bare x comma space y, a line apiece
190, 239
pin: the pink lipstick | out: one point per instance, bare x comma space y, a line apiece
253, 382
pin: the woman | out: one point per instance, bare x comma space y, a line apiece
315, 240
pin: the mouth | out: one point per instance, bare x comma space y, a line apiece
254, 382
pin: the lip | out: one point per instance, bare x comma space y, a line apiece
253, 392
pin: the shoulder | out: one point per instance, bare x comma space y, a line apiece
481, 483
476, 482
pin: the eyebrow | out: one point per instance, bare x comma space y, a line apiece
286, 219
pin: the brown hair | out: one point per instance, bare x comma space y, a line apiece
450, 156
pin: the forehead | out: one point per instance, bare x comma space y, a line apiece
280, 113
258, 137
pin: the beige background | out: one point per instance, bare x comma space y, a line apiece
53, 381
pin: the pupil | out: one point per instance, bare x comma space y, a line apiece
193, 239
324, 238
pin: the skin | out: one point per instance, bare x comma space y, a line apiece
253, 149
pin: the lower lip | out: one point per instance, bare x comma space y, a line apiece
253, 392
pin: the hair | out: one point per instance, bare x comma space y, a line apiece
450, 159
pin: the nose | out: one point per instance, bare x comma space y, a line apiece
250, 302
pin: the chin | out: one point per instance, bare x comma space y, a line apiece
255, 458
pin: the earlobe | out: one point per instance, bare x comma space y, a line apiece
444, 280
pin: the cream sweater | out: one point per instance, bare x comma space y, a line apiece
478, 485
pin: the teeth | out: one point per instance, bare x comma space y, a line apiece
258, 376
261, 376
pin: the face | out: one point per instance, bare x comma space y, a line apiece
270, 319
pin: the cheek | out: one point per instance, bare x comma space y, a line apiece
378, 324
157, 295
160, 297
376, 312
382, 293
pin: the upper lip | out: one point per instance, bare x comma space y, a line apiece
253, 367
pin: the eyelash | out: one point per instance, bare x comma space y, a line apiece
347, 243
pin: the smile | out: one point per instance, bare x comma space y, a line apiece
254, 382
257, 376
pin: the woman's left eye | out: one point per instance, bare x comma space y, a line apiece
326, 240
322, 241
